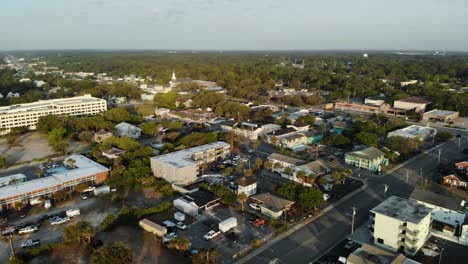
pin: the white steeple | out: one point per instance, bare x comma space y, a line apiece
173, 76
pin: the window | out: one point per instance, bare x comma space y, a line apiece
380, 241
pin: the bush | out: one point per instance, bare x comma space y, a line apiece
108, 222
445, 135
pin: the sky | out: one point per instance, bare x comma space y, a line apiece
234, 24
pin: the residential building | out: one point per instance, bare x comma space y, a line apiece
455, 180
462, 167
248, 130
370, 159
247, 185
311, 170
194, 203
280, 162
292, 141
76, 169
313, 136
448, 213
400, 224
417, 104
370, 254
183, 166
414, 131
127, 130
272, 205
101, 136
113, 153
444, 116
27, 115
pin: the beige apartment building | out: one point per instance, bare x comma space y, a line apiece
182, 167
401, 225
27, 115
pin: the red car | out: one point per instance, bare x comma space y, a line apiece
258, 222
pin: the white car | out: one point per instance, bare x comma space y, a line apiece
59, 221
28, 229
210, 235
169, 236
181, 226
31, 243
168, 223
255, 206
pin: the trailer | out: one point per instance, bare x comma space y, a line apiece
152, 227
227, 224
73, 212
99, 191
179, 216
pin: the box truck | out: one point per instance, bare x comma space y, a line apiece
227, 224
72, 212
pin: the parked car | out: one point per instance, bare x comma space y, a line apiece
83, 196
72, 213
258, 222
350, 244
211, 234
326, 196
254, 206
31, 243
168, 223
28, 229
59, 220
181, 226
169, 236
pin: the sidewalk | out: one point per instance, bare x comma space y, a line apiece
299, 225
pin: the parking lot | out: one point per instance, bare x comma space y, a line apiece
228, 243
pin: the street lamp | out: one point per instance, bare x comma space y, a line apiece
352, 222
440, 256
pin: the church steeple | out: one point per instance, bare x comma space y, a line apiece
173, 76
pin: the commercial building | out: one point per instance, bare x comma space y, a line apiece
272, 205
370, 159
27, 115
194, 203
400, 224
370, 109
414, 131
12, 179
76, 169
182, 167
440, 116
417, 104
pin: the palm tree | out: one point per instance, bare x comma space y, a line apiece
242, 198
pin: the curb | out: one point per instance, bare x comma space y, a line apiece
300, 225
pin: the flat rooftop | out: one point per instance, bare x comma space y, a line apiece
436, 199
286, 159
181, 158
11, 179
413, 131
415, 100
48, 104
402, 209
437, 112
82, 167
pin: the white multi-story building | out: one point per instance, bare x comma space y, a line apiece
27, 115
401, 225
182, 167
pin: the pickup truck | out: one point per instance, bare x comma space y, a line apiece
211, 234
59, 221
168, 237
28, 229
31, 243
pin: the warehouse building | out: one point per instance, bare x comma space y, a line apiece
417, 104
182, 167
27, 115
441, 116
76, 169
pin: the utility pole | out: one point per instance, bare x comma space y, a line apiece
385, 189
459, 139
420, 174
438, 161
11, 245
407, 178
440, 256
352, 223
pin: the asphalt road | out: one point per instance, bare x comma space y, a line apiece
313, 240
